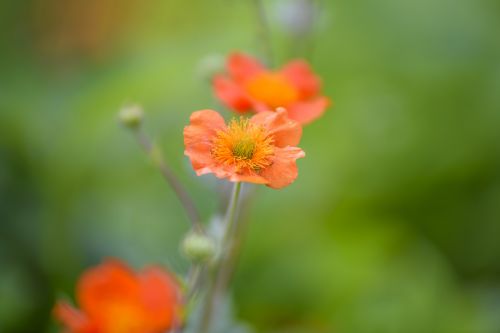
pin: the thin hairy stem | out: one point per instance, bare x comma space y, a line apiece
216, 291
170, 177
193, 280
236, 241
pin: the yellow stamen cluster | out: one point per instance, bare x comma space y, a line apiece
244, 145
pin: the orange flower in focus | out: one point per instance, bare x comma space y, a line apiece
257, 150
114, 299
251, 87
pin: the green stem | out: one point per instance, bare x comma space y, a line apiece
172, 180
226, 273
231, 213
193, 281
216, 291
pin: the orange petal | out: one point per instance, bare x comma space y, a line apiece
105, 285
286, 132
198, 137
230, 173
73, 320
248, 178
161, 297
231, 94
241, 67
283, 171
306, 112
300, 74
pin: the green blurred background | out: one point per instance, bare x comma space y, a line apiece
393, 224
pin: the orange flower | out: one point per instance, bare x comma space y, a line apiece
251, 87
257, 150
114, 299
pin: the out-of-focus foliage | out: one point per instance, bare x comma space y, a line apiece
393, 224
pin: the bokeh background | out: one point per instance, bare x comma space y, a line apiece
393, 224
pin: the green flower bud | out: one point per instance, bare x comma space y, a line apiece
198, 247
131, 116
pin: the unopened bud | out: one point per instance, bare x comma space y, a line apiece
199, 247
131, 116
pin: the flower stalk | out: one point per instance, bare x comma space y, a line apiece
232, 236
193, 280
154, 153
217, 291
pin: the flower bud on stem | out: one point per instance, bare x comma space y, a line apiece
201, 250
131, 117
199, 247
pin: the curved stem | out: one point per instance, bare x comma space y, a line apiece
193, 281
231, 213
216, 290
170, 177
226, 272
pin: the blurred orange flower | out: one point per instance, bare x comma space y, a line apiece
115, 299
257, 150
249, 86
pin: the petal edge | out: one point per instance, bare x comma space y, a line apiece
284, 170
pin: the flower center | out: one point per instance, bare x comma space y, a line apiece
273, 89
244, 146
